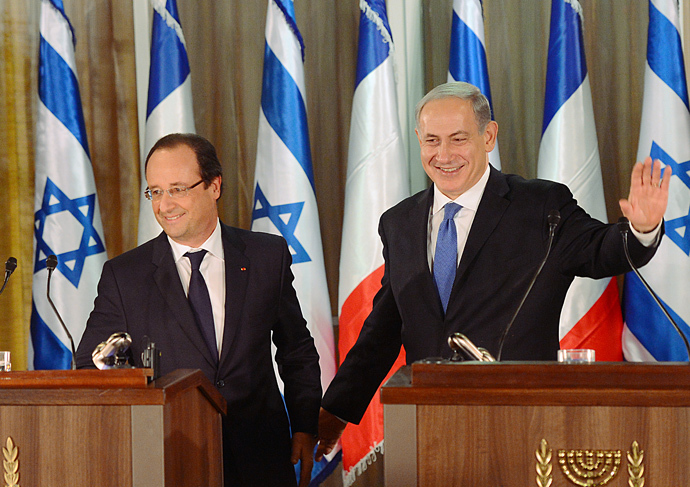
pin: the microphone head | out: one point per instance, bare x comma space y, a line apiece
51, 262
623, 224
554, 217
10, 265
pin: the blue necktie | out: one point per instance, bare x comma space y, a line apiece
200, 302
446, 256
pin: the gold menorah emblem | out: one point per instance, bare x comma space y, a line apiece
590, 468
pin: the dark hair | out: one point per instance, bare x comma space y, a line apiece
206, 157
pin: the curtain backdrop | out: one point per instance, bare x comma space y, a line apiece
225, 43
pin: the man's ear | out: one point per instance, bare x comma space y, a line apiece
215, 184
490, 134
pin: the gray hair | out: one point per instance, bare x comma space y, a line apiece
464, 91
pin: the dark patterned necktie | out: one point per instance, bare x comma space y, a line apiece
446, 256
200, 302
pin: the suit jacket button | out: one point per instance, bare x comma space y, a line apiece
220, 383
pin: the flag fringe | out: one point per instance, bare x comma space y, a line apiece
291, 24
374, 17
64, 17
360, 467
159, 6
577, 7
387, 38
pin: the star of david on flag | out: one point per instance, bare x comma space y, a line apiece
676, 228
664, 135
90, 243
67, 216
284, 194
263, 209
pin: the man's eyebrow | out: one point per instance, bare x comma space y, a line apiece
454, 134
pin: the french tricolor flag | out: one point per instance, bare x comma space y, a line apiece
591, 315
377, 178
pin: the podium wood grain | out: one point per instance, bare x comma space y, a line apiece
481, 424
86, 428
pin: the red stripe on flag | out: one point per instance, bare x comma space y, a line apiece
601, 328
359, 441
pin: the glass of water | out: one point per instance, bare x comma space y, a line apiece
576, 356
5, 364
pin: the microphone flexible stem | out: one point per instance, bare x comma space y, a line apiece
10, 266
624, 233
64, 327
7, 278
524, 297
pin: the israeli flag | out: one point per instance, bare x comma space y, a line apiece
169, 108
664, 135
67, 219
569, 153
468, 54
284, 195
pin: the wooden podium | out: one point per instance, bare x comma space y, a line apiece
110, 428
537, 424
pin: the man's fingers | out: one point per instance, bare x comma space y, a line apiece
324, 448
666, 180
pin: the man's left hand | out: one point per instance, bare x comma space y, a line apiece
646, 203
303, 449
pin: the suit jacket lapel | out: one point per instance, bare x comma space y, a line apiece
491, 208
168, 281
419, 228
236, 279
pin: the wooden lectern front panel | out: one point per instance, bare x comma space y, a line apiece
497, 445
69, 445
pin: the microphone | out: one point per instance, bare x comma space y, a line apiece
110, 353
10, 266
623, 228
51, 264
459, 342
150, 357
554, 219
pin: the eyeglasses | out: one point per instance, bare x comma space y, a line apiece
174, 192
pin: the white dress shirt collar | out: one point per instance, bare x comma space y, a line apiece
469, 199
213, 244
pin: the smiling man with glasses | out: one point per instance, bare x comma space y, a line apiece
214, 297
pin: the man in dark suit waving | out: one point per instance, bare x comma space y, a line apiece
460, 255
213, 297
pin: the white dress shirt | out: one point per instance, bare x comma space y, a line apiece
463, 219
213, 270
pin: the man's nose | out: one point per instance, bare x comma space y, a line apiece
166, 202
443, 153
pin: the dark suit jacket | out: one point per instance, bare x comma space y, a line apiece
140, 292
505, 246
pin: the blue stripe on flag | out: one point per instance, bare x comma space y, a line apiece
372, 50
59, 5
649, 324
59, 92
665, 55
468, 57
566, 59
169, 63
49, 351
284, 109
